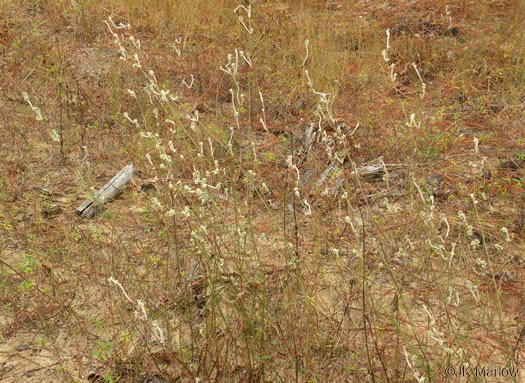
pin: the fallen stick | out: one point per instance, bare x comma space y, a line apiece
109, 191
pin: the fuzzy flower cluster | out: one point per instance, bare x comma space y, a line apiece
35, 109
141, 313
385, 53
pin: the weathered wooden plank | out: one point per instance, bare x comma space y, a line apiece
108, 192
368, 172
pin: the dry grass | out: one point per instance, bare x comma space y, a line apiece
230, 257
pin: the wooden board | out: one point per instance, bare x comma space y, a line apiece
109, 191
